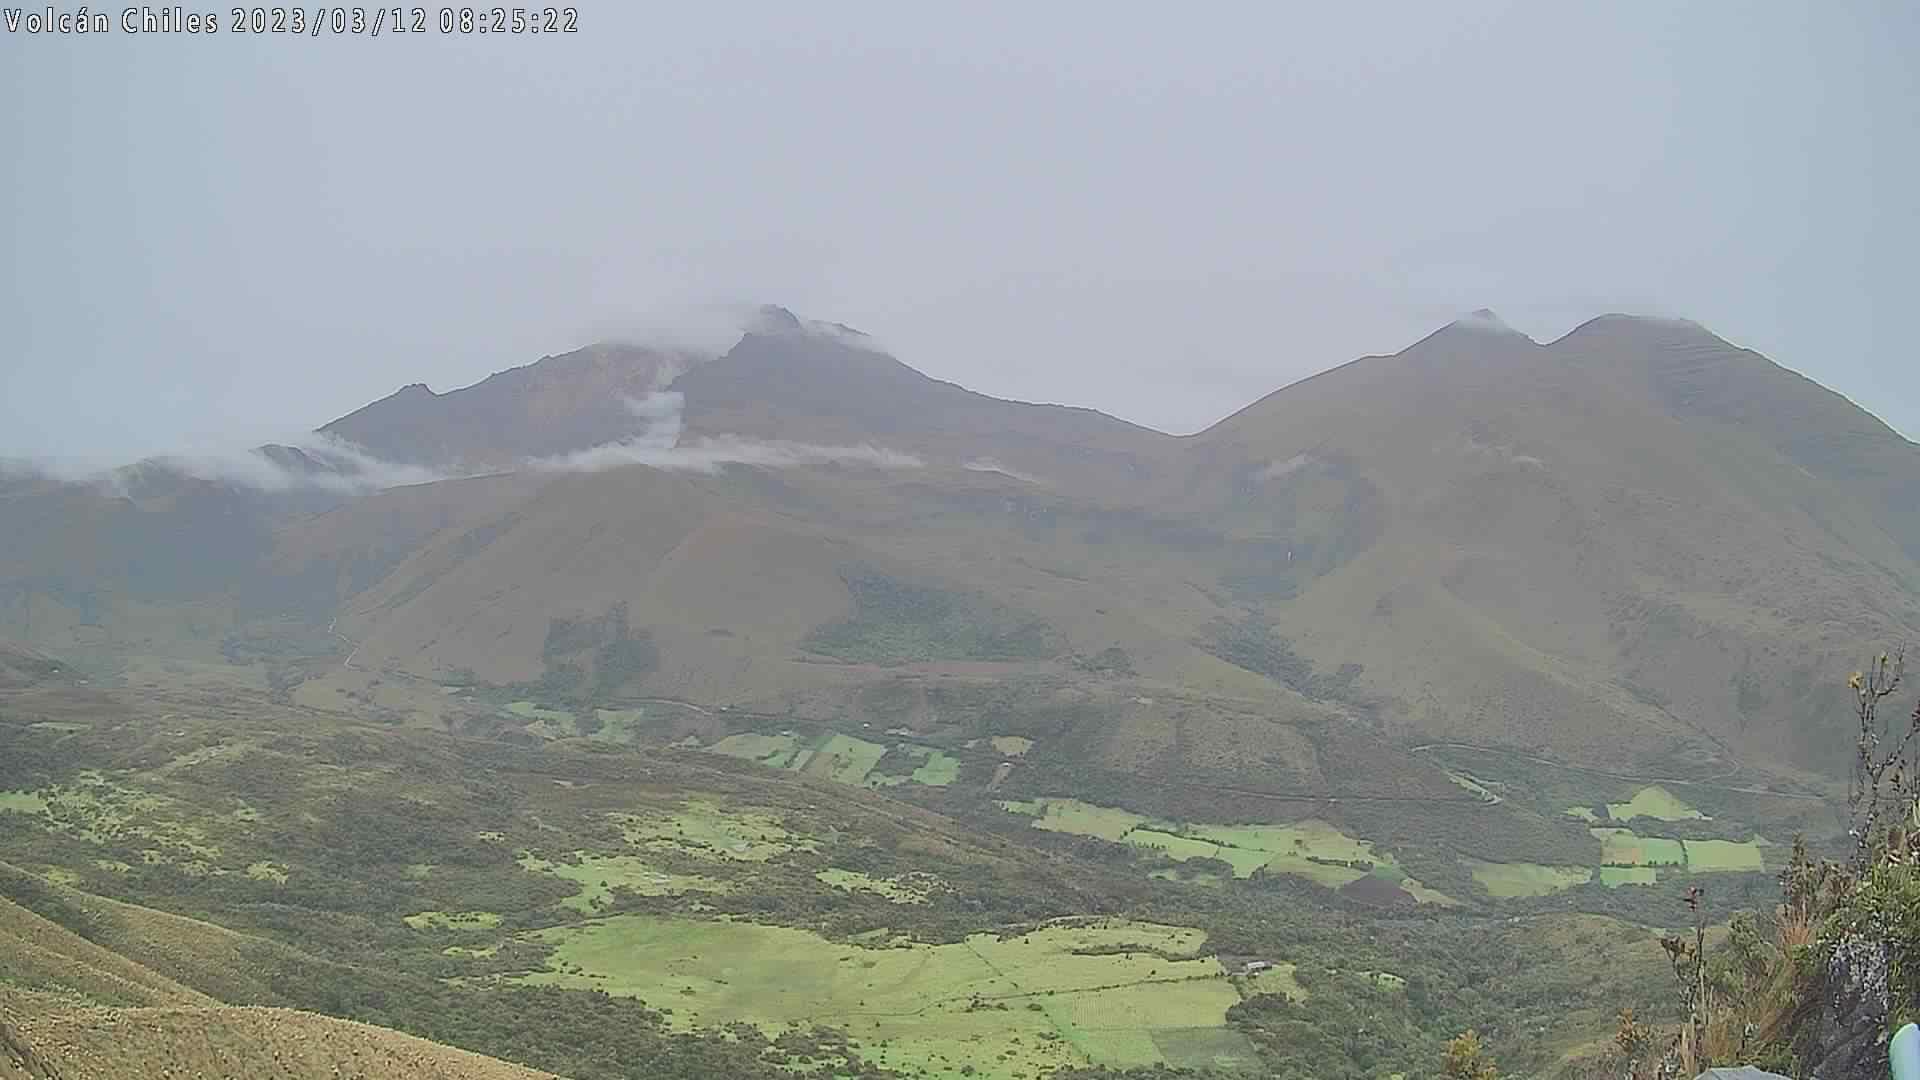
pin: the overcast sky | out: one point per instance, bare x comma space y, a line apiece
1162, 211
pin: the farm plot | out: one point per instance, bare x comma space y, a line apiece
1654, 802
599, 875
835, 756
1313, 849
1069, 993
1709, 856
1508, 880
1620, 847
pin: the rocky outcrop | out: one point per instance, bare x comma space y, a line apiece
1850, 1039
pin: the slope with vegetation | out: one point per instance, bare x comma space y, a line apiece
1382, 681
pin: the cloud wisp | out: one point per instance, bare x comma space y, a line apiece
658, 446
325, 463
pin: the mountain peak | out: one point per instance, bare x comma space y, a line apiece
774, 319
1485, 321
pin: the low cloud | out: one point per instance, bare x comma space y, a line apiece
993, 466
709, 455
661, 413
313, 462
658, 446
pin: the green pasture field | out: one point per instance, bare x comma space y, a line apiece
843, 758
1012, 745
1102, 988
1311, 849
599, 875
22, 802
712, 831
1621, 847
1654, 802
1709, 856
1615, 876
1507, 880
1278, 979
619, 725
839, 757
1081, 819
894, 889
940, 770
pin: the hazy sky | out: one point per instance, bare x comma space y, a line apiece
1162, 211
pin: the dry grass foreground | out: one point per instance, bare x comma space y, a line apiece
239, 1041
154, 1027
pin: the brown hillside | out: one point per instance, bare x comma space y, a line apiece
71, 1008
42, 957
257, 1043
1535, 546
554, 405
18, 1060
1639, 548
785, 382
21, 666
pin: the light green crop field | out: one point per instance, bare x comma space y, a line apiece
934, 1007
940, 770
1175, 846
97, 810
1615, 876
22, 802
843, 758
1207, 1048
1083, 819
1012, 745
1421, 893
599, 875
1620, 847
1293, 849
838, 757
619, 725
1508, 880
774, 750
1654, 802
1278, 979
898, 890
1311, 849
546, 723
1584, 813
712, 831
266, 870
1709, 856
453, 920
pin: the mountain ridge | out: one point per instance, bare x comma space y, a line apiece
1599, 547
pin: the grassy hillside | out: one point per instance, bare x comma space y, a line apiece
1017, 754
1637, 549
1562, 554
600, 909
115, 1044
75, 1007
